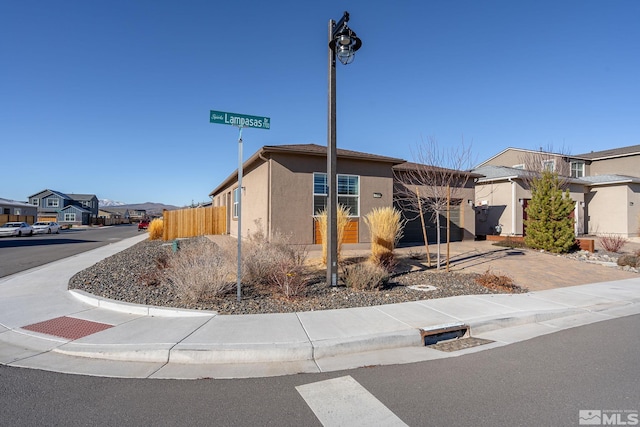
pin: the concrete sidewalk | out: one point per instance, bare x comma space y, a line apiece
45, 326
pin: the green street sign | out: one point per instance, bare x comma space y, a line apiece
239, 120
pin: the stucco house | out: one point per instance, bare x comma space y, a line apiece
285, 186
604, 185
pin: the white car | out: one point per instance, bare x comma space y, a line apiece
16, 229
48, 227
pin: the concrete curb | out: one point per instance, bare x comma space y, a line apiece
139, 309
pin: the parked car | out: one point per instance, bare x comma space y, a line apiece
47, 227
143, 224
16, 229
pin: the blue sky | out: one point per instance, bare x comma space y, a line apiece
113, 98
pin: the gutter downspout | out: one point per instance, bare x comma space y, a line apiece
514, 206
268, 162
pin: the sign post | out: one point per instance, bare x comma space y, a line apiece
240, 121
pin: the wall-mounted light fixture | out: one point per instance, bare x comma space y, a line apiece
470, 202
521, 201
377, 195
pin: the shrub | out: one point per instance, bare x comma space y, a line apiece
322, 219
549, 225
612, 242
365, 276
199, 270
276, 263
156, 228
630, 260
385, 228
491, 280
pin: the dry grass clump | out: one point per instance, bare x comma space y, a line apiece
342, 219
276, 264
612, 242
491, 280
385, 228
156, 229
365, 276
200, 270
630, 260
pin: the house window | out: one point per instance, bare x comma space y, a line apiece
520, 166
236, 204
17, 211
577, 169
549, 165
70, 217
348, 193
53, 203
86, 203
35, 201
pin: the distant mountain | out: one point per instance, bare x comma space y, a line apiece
150, 207
106, 202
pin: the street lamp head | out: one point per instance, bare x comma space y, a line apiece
344, 43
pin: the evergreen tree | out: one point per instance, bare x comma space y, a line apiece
549, 225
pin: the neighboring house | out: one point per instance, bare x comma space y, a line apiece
51, 206
605, 186
111, 217
284, 187
12, 210
120, 215
137, 215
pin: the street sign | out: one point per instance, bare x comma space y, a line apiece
239, 120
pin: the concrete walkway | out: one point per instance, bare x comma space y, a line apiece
45, 326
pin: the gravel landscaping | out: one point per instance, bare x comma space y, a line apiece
135, 275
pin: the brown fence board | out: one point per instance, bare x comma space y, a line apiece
194, 222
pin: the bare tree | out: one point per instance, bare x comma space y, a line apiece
546, 159
433, 184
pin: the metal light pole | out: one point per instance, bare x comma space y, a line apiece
343, 43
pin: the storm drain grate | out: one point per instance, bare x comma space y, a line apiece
459, 344
67, 327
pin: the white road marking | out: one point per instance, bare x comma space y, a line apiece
344, 402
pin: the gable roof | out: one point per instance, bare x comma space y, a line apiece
15, 203
410, 166
82, 196
321, 150
47, 192
75, 208
500, 173
305, 150
610, 179
611, 153
522, 150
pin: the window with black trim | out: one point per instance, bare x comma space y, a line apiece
348, 192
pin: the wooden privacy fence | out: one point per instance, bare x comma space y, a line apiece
4, 218
194, 222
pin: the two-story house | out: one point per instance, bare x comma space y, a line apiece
604, 185
72, 209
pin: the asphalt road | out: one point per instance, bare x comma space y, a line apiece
545, 381
21, 253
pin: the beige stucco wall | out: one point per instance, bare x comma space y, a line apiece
602, 218
633, 204
292, 192
622, 166
512, 157
500, 203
